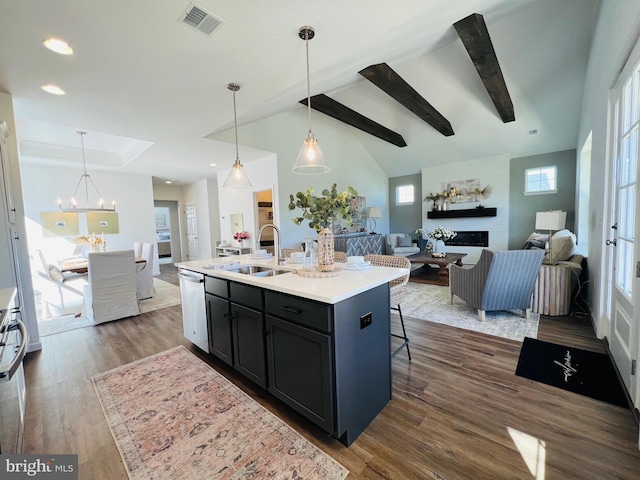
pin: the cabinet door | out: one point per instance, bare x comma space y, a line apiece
300, 364
219, 319
248, 343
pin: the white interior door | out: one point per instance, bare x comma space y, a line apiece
192, 232
625, 125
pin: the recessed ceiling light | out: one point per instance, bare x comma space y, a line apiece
53, 89
213, 164
168, 182
58, 46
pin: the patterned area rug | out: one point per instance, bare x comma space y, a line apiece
432, 303
174, 417
167, 295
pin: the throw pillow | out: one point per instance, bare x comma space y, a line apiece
404, 241
535, 240
55, 274
563, 246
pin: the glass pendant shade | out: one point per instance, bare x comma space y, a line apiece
237, 177
310, 160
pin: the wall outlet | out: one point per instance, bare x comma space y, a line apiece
365, 320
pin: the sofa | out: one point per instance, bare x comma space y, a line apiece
400, 244
559, 278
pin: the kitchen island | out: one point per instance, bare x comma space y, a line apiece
321, 345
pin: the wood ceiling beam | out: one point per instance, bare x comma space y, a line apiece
473, 32
386, 79
335, 109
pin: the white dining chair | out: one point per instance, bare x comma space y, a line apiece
144, 276
111, 292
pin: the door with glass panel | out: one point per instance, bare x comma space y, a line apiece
623, 286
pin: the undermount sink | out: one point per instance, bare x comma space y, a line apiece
259, 270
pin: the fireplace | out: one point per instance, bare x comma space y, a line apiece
470, 239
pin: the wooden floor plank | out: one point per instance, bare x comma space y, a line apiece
455, 412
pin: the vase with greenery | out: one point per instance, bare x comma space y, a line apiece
321, 212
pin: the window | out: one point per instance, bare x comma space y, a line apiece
404, 195
540, 180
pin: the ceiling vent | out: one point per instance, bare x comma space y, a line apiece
197, 17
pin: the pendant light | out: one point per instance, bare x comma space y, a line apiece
85, 180
237, 177
310, 160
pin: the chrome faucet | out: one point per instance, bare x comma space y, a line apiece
277, 245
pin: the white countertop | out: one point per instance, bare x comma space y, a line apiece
327, 290
6, 297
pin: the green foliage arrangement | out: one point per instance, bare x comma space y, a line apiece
322, 211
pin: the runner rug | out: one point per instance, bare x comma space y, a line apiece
174, 417
580, 371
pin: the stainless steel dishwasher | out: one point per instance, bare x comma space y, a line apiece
194, 310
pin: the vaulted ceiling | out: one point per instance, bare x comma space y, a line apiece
151, 91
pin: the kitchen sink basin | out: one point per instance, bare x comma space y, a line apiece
259, 270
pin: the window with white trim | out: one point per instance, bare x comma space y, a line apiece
404, 195
540, 180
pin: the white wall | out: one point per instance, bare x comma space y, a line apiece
351, 165
492, 171
202, 194
29, 316
616, 32
263, 175
43, 185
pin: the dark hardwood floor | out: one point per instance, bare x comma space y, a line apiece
458, 410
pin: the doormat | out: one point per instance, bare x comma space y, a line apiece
173, 416
580, 371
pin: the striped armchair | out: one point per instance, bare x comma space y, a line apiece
501, 280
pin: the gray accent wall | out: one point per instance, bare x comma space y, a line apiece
523, 208
405, 218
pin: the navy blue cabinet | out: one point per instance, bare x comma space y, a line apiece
329, 362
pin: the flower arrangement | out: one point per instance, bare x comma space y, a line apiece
90, 240
442, 233
240, 236
96, 243
421, 232
322, 211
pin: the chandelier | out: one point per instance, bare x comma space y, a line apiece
83, 186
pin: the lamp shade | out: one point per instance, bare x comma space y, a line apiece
552, 220
374, 212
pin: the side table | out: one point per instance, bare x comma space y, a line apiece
552, 291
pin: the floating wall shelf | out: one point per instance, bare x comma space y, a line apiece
469, 212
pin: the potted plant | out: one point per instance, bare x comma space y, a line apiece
321, 213
241, 237
440, 234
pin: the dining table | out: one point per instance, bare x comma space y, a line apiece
80, 265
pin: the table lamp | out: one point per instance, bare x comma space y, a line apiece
373, 213
552, 220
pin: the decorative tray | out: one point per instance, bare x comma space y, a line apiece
318, 274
